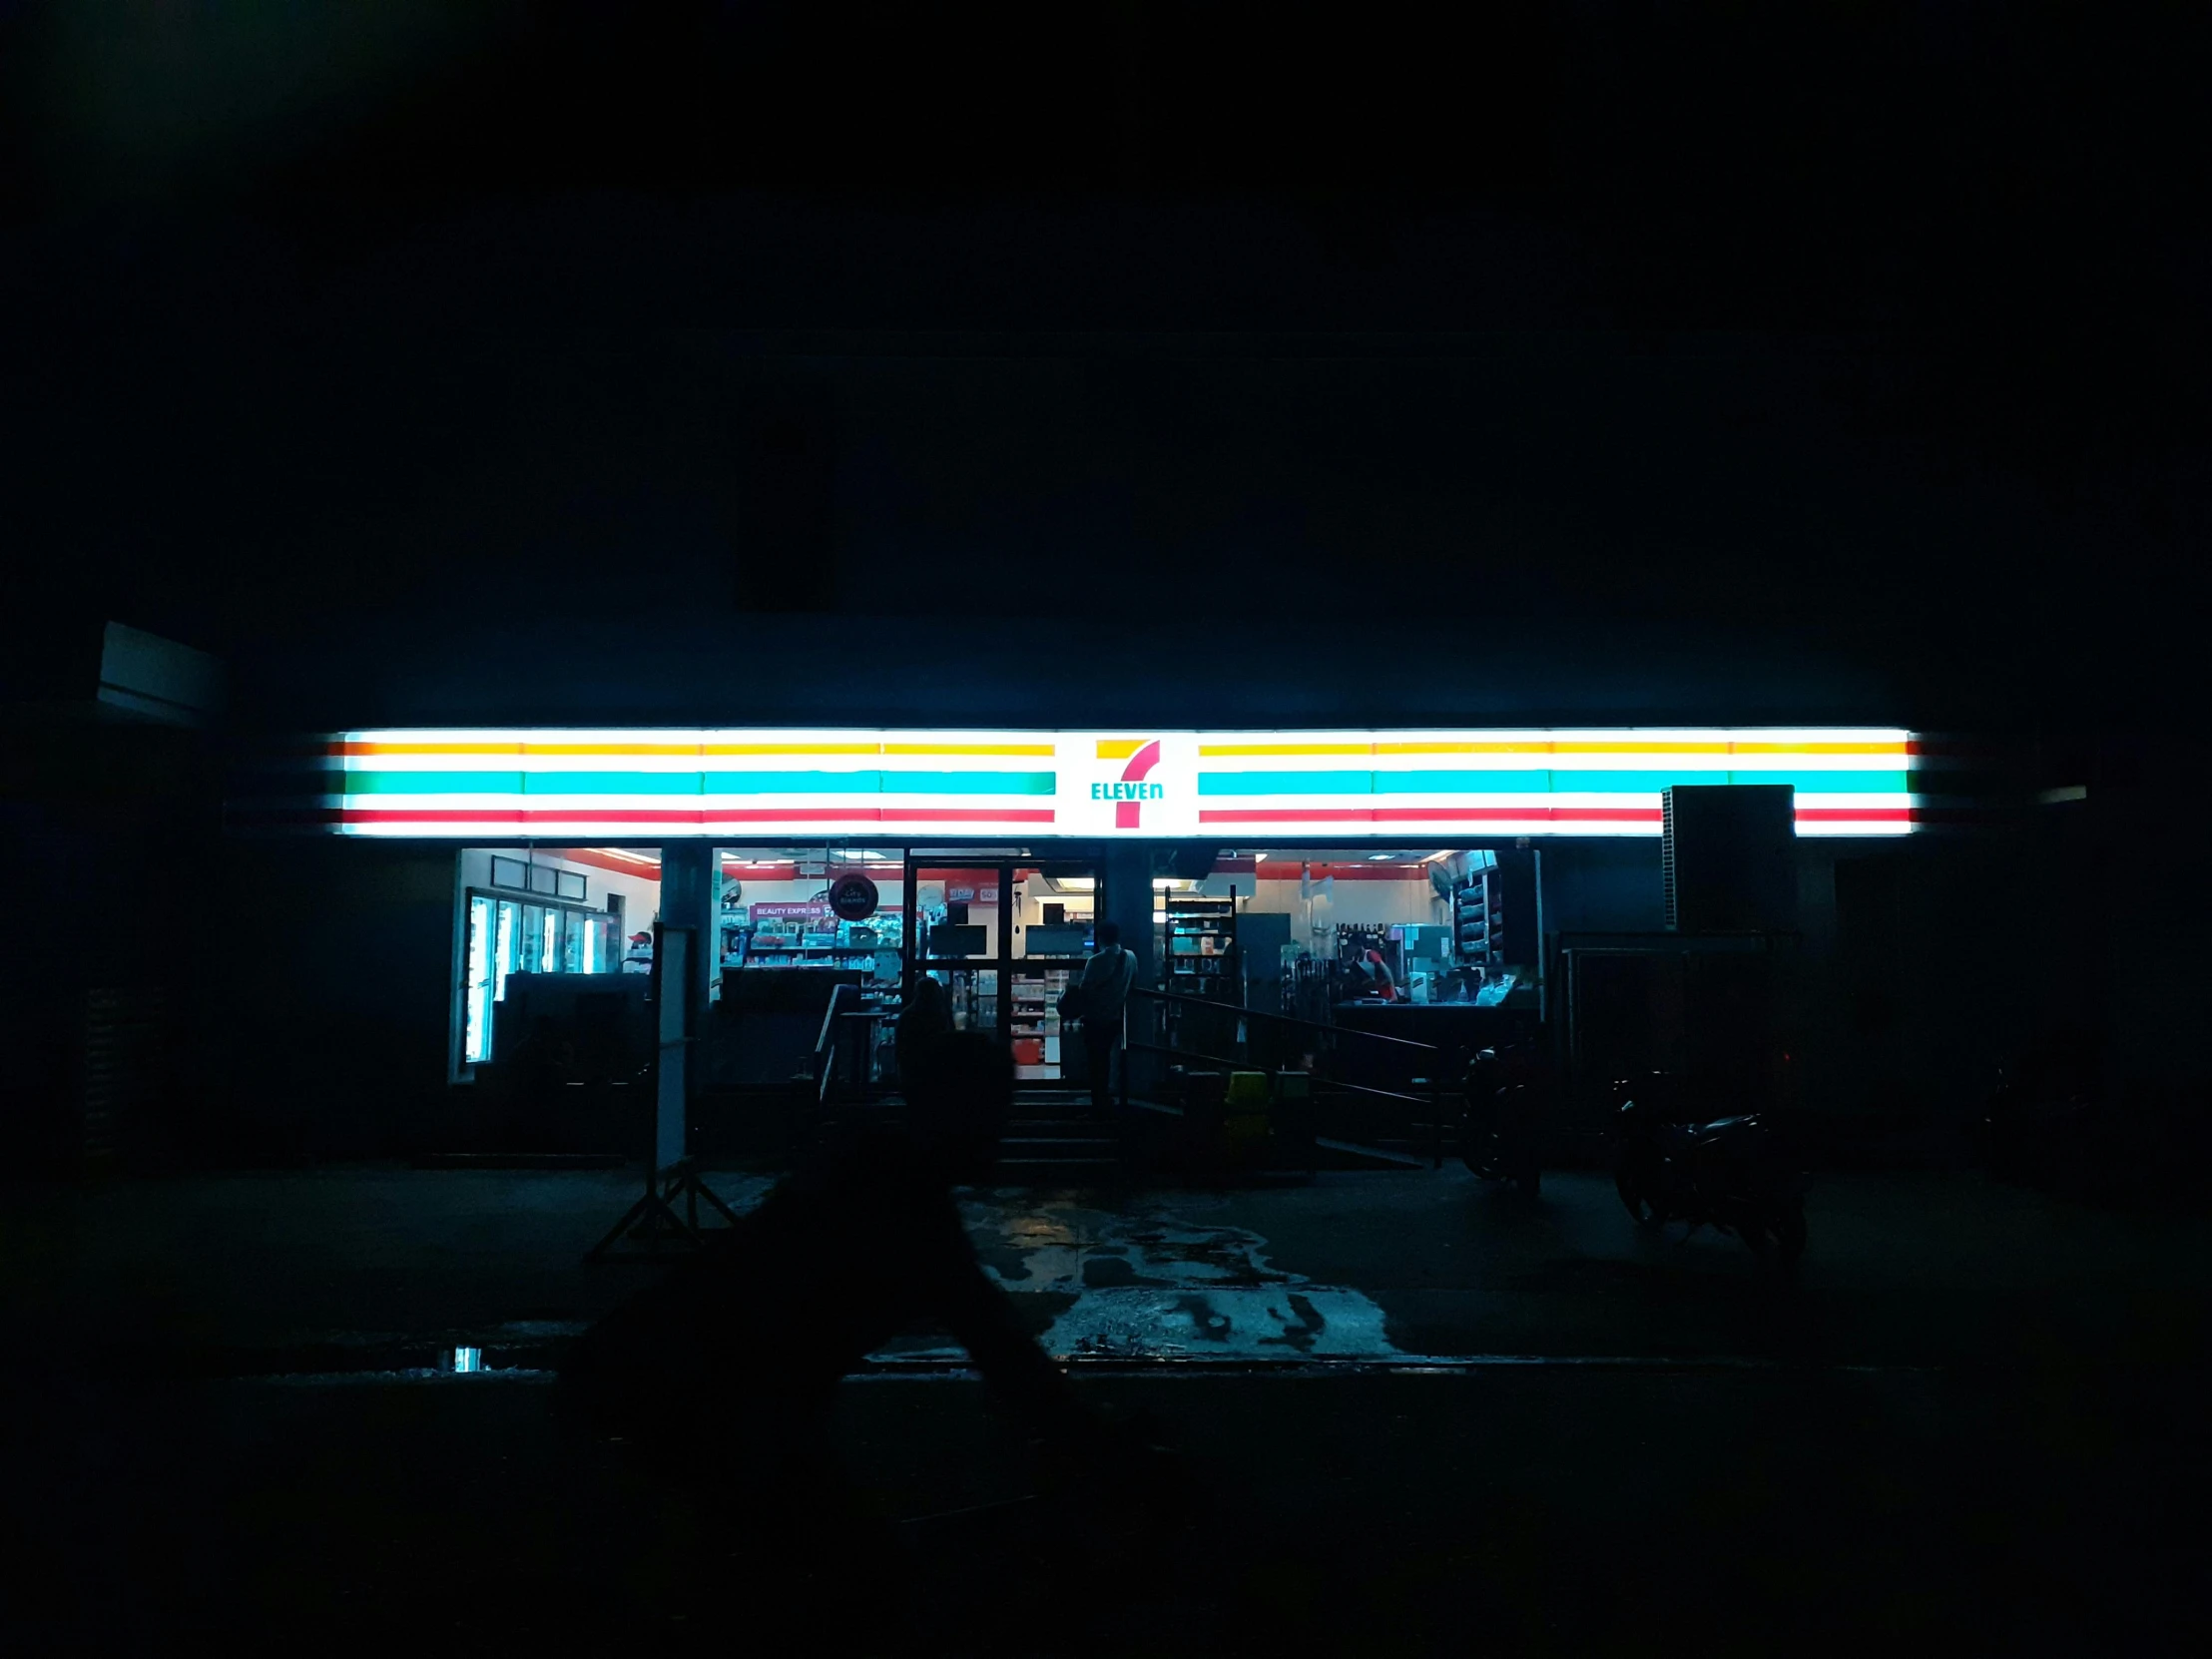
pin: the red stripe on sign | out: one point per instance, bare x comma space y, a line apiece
1511, 815
1857, 815
790, 814
756, 815
1276, 814
882, 814
967, 815
496, 815
1437, 815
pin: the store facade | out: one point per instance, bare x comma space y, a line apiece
1270, 869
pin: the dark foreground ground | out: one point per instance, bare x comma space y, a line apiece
1419, 1417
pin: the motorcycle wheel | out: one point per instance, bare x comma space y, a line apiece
1788, 1235
1475, 1152
1632, 1199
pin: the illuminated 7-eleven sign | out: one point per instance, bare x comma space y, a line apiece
1431, 787
1134, 787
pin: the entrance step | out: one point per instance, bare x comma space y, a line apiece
1357, 1156
1006, 1164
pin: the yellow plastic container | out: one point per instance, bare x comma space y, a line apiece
1247, 1115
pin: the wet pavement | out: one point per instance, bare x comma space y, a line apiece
1536, 1508
333, 1269
1424, 1415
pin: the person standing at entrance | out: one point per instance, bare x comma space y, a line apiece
1104, 990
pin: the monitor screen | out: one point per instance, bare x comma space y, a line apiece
954, 939
1062, 938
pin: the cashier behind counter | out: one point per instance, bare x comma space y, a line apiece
1368, 979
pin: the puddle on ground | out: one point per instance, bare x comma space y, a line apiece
1155, 1284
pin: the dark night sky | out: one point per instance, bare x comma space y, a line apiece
1874, 328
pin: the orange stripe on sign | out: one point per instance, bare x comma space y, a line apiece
790, 749
1464, 748
640, 748
427, 748
1119, 749
1043, 748
1225, 750
1641, 748
1824, 749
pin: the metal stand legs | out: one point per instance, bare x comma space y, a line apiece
656, 1231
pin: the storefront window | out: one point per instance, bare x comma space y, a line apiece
536, 931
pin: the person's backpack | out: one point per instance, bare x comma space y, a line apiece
1075, 1000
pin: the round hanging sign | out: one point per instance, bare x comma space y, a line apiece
852, 897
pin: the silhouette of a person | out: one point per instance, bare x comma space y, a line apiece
725, 1371
1106, 981
925, 1017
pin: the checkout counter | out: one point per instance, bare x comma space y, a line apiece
1441, 1000
1450, 1026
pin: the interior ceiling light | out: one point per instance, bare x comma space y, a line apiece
1379, 857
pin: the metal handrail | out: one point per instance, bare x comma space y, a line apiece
826, 1043
1433, 1100
1282, 1020
1191, 1054
1245, 1065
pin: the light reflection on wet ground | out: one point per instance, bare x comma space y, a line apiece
1153, 1281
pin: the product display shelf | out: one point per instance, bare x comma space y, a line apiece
1201, 947
1477, 922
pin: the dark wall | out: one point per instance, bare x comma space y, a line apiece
1956, 955
681, 667
109, 830
329, 1027
1603, 886
2132, 854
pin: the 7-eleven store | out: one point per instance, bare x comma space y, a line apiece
1239, 865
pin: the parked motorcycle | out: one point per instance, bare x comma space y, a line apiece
1731, 1174
2042, 1130
1501, 1121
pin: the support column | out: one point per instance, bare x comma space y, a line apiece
690, 893
1125, 874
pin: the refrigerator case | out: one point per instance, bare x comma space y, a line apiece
514, 936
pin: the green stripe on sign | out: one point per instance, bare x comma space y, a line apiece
698, 783
1831, 783
432, 782
1567, 782
792, 783
873, 783
1285, 782
610, 782
1536, 781
1633, 782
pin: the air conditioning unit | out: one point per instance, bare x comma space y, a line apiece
1728, 857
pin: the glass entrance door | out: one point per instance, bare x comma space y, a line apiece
1006, 937
957, 936
1054, 907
